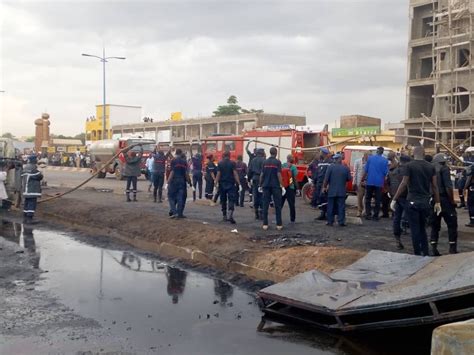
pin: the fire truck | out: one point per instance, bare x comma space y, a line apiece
103, 150
288, 139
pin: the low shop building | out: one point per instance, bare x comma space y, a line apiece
194, 129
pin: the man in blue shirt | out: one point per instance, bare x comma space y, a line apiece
271, 186
376, 170
337, 176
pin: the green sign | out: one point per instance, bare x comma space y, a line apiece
356, 131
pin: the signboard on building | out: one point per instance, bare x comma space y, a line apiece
51, 149
279, 127
356, 131
176, 116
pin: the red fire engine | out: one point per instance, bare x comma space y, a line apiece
288, 139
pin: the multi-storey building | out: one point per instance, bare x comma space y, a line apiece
440, 84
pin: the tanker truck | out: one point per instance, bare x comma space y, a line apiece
103, 150
12, 165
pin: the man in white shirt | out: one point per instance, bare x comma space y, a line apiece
149, 168
359, 188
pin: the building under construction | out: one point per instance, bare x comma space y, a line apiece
440, 85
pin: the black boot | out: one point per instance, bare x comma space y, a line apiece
194, 195
434, 249
128, 197
453, 249
231, 217
257, 215
224, 217
399, 243
322, 217
134, 197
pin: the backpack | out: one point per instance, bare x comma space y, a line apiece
286, 177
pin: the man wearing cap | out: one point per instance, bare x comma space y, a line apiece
448, 207
319, 181
376, 170
255, 170
337, 176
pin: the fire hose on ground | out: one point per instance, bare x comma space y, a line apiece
111, 160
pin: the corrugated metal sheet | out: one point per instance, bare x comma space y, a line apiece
379, 278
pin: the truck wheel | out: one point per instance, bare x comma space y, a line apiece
101, 175
307, 192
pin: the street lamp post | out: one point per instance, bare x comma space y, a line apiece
103, 59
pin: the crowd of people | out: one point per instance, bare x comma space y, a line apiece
416, 189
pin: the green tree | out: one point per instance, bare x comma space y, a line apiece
30, 139
232, 108
8, 135
81, 136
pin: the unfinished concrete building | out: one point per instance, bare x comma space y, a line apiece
440, 85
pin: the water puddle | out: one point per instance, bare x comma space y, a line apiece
157, 307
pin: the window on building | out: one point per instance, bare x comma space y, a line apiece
426, 67
460, 100
229, 146
464, 57
427, 27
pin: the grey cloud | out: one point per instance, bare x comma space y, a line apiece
322, 58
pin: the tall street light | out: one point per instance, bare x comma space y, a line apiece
104, 60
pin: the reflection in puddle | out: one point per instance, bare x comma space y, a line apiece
153, 305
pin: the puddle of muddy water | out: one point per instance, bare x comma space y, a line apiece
159, 308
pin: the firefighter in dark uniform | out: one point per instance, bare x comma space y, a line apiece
318, 180
177, 180
448, 207
271, 184
197, 175
469, 186
210, 177
227, 179
255, 169
313, 172
31, 184
158, 175
242, 171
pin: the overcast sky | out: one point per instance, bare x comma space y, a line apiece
319, 58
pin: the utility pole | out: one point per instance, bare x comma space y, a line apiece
104, 60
